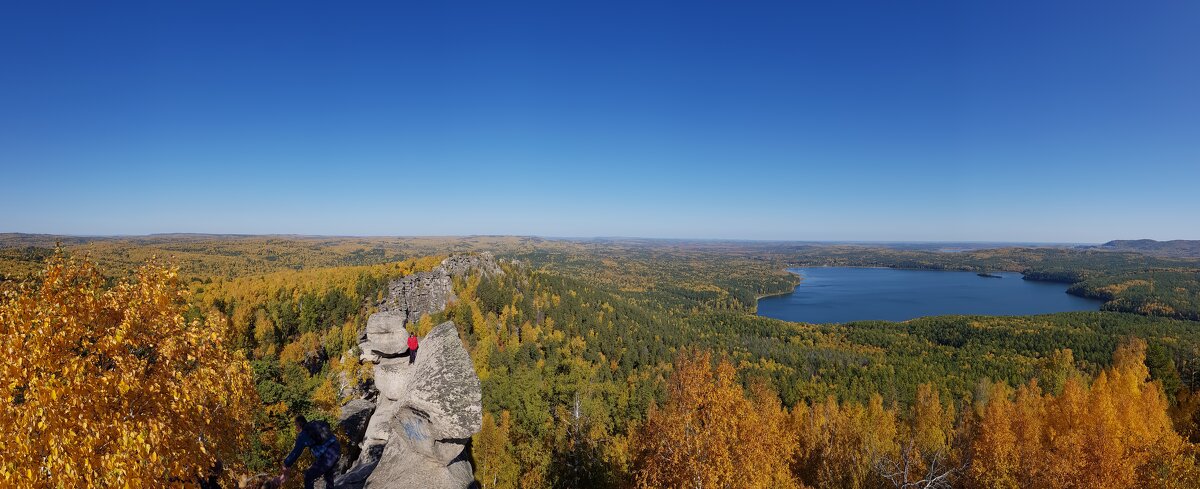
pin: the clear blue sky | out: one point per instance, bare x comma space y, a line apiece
892, 120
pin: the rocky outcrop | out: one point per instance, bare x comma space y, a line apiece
412, 297
432, 408
426, 412
423, 421
461, 265
419, 294
414, 458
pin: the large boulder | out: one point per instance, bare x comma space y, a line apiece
356, 477
444, 385
414, 458
385, 335
392, 377
353, 418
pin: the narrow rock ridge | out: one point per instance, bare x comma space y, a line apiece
418, 431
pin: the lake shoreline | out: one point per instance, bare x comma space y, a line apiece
841, 294
800, 279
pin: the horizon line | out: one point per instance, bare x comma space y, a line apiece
550, 237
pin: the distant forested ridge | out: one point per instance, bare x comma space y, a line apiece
1184, 248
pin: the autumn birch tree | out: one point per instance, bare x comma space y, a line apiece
111, 387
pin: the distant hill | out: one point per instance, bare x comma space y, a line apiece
1177, 248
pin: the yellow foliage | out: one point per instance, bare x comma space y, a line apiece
933, 423
498, 467
1116, 289
1115, 433
424, 325
295, 351
246, 295
840, 444
349, 334
710, 435
112, 387
325, 398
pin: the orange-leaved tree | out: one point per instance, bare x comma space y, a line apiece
1113, 433
109, 386
709, 434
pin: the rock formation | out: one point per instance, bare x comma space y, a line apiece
419, 294
426, 412
461, 265
385, 335
426, 415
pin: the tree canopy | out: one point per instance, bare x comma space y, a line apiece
111, 386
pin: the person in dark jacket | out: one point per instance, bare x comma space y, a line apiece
325, 451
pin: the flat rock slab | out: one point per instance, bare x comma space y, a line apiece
385, 335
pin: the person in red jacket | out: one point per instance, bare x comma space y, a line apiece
412, 349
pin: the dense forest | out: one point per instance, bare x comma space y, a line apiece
616, 363
1179, 247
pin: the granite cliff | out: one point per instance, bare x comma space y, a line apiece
414, 428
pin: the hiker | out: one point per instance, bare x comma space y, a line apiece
320, 440
412, 349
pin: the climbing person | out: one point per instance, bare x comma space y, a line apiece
320, 440
412, 349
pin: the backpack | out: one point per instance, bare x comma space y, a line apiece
320, 431
412, 342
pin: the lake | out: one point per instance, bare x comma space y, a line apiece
841, 294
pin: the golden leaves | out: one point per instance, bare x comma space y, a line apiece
106, 380
1109, 434
710, 435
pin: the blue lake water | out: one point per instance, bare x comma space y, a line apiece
839, 295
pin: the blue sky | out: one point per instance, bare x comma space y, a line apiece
988, 121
